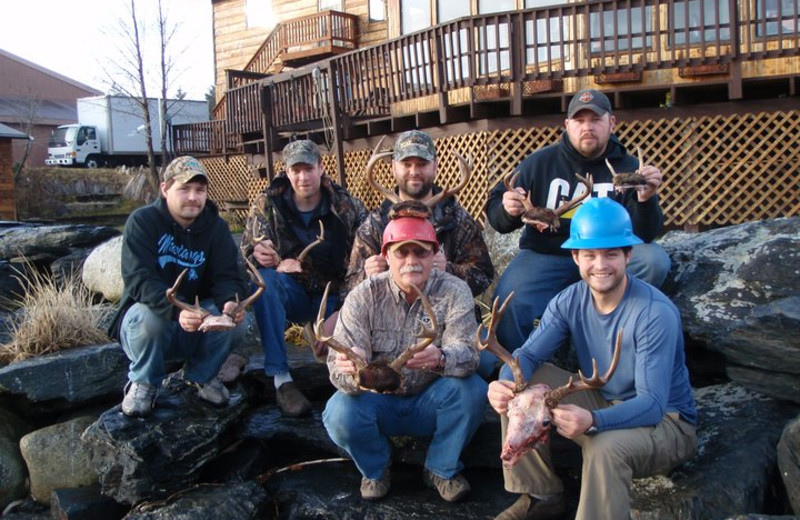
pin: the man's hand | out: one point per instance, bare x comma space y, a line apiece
265, 254
499, 394
426, 359
513, 201
653, 177
375, 264
343, 363
571, 420
190, 320
228, 309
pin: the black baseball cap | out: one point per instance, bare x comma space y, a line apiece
589, 99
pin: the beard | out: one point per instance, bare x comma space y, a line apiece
416, 193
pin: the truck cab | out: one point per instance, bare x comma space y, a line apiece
74, 145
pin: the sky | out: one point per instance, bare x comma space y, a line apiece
77, 39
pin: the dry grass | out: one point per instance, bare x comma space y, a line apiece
294, 335
53, 317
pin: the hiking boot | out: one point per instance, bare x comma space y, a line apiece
291, 400
139, 399
375, 489
450, 489
529, 508
213, 392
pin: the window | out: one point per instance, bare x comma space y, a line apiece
415, 15
377, 10
776, 17
541, 3
451, 9
543, 41
496, 6
696, 21
259, 13
335, 5
621, 30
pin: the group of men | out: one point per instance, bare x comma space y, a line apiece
404, 276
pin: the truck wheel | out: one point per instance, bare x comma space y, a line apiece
92, 162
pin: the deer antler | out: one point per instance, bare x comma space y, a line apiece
426, 335
328, 340
509, 180
466, 171
552, 397
496, 348
587, 181
373, 160
256, 278
182, 305
312, 245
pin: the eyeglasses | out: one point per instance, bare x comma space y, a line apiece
420, 252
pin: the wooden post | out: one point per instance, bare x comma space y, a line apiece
336, 119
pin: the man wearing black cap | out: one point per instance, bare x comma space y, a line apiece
548, 176
180, 232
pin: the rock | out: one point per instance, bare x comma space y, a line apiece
51, 240
239, 500
68, 266
11, 285
789, 462
85, 503
12, 466
502, 249
56, 458
102, 270
65, 380
738, 289
149, 458
737, 433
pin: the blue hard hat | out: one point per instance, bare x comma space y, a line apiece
601, 223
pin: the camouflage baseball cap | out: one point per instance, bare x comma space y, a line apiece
301, 151
183, 169
414, 144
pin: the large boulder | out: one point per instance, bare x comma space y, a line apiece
789, 462
65, 380
51, 241
57, 458
738, 291
102, 270
240, 500
13, 472
733, 470
153, 457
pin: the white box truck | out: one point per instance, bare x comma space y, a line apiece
111, 131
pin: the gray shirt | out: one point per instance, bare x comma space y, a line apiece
377, 318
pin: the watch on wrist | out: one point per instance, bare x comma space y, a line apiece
591, 430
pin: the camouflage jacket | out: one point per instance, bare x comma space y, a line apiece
377, 318
274, 216
459, 236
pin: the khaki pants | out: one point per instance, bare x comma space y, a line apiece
610, 459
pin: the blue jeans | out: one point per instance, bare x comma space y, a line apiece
449, 410
284, 298
536, 278
150, 341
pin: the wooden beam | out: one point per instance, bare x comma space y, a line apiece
336, 121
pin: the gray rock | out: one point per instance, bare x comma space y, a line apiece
102, 270
789, 462
65, 380
57, 458
13, 472
51, 240
732, 472
738, 289
85, 503
239, 500
11, 284
149, 458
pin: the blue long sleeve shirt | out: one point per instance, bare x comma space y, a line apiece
651, 378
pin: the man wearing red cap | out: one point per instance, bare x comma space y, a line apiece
440, 397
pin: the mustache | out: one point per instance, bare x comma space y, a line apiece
410, 269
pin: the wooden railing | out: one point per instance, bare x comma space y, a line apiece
526, 51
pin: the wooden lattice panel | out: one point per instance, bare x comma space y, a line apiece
718, 170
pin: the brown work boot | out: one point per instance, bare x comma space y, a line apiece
291, 400
450, 489
376, 489
529, 508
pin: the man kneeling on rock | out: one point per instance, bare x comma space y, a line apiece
435, 393
181, 232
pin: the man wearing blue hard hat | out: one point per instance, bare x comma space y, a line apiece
642, 421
